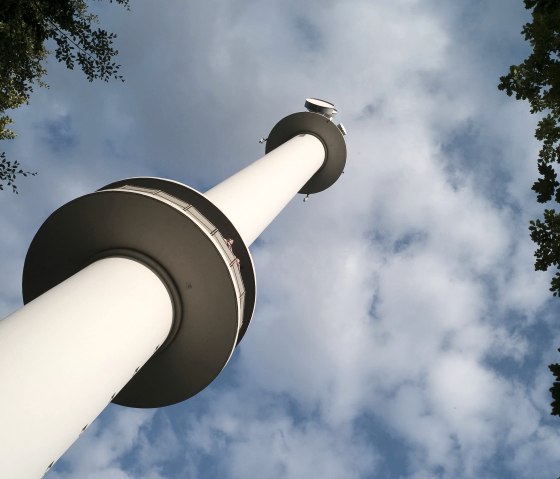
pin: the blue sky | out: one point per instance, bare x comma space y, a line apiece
400, 329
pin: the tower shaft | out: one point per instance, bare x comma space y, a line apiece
254, 196
66, 354
139, 266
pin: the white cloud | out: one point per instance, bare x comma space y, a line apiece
388, 295
99, 451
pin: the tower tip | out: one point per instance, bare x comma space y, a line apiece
323, 107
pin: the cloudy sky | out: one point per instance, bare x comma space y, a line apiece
400, 330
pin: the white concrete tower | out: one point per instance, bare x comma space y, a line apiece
139, 292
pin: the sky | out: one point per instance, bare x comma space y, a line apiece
400, 330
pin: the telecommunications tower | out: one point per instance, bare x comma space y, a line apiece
139, 292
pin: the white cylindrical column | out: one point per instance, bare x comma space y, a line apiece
64, 355
254, 196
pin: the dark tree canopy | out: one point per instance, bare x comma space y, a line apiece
537, 80
25, 28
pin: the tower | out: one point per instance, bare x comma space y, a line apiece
139, 292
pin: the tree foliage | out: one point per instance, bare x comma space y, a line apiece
555, 389
26, 27
537, 80
8, 172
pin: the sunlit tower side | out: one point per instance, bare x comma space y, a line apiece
139, 292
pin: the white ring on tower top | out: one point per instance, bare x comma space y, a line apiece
322, 107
